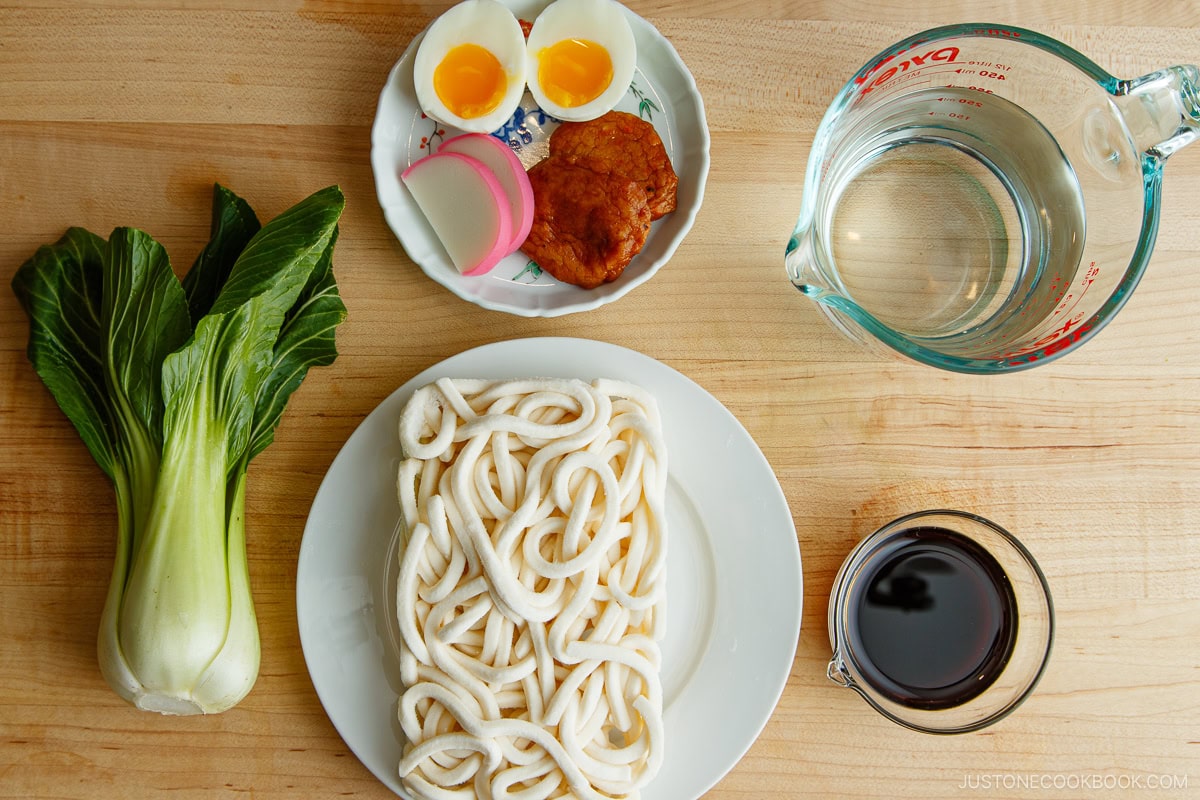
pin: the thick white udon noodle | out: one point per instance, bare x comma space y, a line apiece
530, 589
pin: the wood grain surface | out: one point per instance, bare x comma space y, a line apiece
124, 112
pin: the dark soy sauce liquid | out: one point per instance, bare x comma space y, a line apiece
933, 619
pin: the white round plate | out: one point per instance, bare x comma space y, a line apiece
733, 569
663, 92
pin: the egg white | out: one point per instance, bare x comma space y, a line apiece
489, 24
600, 21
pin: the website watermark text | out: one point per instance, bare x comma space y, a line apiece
1072, 781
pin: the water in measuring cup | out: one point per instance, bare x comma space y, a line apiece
953, 204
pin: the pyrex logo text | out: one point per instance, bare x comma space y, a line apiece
913, 60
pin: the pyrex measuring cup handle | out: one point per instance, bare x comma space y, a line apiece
1162, 109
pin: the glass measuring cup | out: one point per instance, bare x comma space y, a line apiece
984, 198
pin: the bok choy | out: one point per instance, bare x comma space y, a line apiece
174, 386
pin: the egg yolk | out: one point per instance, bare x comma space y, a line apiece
470, 81
574, 71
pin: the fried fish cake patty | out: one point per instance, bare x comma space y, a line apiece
587, 225
625, 144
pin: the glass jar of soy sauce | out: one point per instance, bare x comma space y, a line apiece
941, 620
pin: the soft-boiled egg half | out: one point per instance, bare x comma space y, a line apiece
581, 58
469, 70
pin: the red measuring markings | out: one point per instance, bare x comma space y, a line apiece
870, 81
1000, 33
913, 59
1068, 330
906, 83
1053, 347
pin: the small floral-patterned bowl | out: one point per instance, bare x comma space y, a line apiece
662, 92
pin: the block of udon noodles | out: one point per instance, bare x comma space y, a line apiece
530, 593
